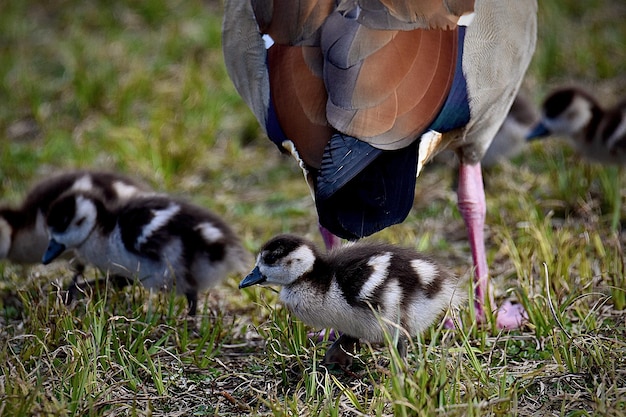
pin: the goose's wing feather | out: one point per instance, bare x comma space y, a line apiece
292, 22
387, 111
296, 22
341, 86
380, 195
245, 56
299, 100
385, 87
406, 15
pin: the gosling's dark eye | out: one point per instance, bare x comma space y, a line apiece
272, 257
80, 221
65, 222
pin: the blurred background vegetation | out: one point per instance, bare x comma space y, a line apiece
140, 87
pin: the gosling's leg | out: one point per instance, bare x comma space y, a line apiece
192, 302
341, 352
116, 281
402, 347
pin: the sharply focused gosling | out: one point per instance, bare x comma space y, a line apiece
157, 240
362, 290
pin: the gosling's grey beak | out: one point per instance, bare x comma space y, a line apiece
253, 278
54, 250
539, 131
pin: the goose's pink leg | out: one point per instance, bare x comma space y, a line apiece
471, 201
331, 241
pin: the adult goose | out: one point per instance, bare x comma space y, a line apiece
364, 92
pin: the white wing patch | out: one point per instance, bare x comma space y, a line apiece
124, 191
618, 135
84, 183
427, 271
391, 301
161, 217
267, 39
466, 19
380, 264
209, 232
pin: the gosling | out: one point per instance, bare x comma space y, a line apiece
363, 290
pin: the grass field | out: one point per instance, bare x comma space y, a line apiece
140, 88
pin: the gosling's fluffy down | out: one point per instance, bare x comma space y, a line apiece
355, 288
158, 240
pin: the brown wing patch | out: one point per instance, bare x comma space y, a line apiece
384, 86
421, 94
395, 91
299, 97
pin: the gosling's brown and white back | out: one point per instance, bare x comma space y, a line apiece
355, 288
158, 240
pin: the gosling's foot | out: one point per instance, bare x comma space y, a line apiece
341, 352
